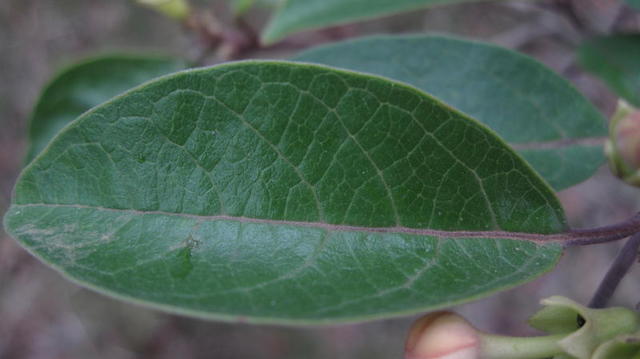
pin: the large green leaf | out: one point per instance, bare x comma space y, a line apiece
634, 3
297, 15
284, 192
616, 59
87, 84
539, 113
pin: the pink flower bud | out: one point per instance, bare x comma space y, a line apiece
442, 335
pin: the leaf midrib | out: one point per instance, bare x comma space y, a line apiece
448, 234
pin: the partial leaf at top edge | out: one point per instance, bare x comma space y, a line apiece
615, 59
285, 193
298, 15
84, 85
536, 111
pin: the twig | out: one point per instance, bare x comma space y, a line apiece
208, 33
619, 268
565, 8
567, 25
238, 39
582, 237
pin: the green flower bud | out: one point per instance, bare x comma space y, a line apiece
626, 346
584, 329
623, 146
575, 332
176, 9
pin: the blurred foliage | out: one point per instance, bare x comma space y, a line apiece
615, 59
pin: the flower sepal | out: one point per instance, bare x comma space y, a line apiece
585, 329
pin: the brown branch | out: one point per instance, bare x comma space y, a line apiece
228, 42
619, 268
581, 237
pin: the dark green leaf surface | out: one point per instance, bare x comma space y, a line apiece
87, 84
286, 193
299, 15
615, 59
536, 111
634, 3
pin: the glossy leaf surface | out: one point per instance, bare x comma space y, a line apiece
299, 15
615, 59
286, 193
536, 111
82, 86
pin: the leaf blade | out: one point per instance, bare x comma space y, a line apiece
124, 199
83, 85
299, 15
616, 60
550, 123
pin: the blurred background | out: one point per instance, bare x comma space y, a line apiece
42, 315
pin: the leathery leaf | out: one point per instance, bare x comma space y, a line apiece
282, 192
